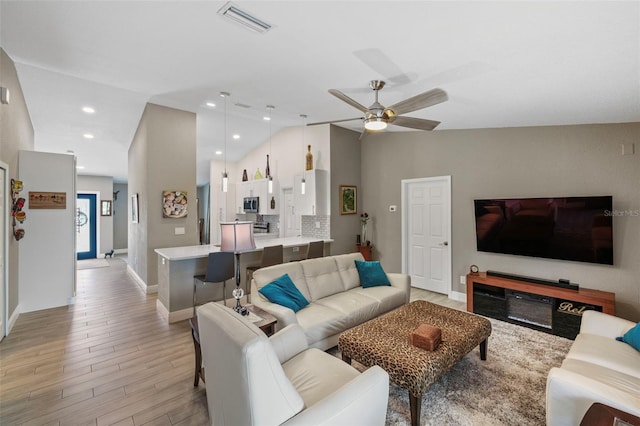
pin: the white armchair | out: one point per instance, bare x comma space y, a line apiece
256, 380
597, 369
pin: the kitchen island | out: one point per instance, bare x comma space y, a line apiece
178, 265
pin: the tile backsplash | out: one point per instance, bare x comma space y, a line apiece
309, 228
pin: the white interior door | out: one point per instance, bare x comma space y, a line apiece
427, 232
5, 198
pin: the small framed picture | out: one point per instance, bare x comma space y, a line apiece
105, 208
134, 208
348, 199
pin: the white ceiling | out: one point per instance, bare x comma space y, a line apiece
503, 64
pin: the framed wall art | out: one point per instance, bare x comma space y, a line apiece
105, 208
348, 199
134, 208
47, 200
174, 204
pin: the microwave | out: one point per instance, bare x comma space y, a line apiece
250, 204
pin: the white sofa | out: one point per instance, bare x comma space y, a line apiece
256, 380
337, 300
597, 369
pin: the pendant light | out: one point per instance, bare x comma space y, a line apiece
225, 176
270, 109
303, 183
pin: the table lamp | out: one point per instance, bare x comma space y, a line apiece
237, 237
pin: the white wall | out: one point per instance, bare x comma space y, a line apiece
103, 186
47, 251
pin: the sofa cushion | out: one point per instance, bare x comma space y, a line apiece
387, 298
316, 374
322, 277
632, 337
371, 274
355, 307
283, 292
264, 276
606, 352
347, 269
320, 322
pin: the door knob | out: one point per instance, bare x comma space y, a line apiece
446, 243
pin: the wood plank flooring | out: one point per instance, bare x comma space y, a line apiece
109, 359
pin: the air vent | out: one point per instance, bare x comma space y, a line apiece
232, 12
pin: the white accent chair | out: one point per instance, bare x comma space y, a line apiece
256, 380
597, 369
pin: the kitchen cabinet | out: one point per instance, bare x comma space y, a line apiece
315, 200
258, 188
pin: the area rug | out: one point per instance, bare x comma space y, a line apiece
506, 389
92, 263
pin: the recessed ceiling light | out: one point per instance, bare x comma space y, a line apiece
265, 118
80, 167
210, 104
218, 152
88, 110
88, 136
236, 137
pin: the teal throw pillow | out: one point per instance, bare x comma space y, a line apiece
284, 292
371, 274
632, 337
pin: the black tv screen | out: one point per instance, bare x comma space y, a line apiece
567, 228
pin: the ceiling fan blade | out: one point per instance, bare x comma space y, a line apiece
334, 121
415, 123
338, 94
423, 100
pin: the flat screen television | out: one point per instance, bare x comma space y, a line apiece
567, 228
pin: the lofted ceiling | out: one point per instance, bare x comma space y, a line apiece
503, 64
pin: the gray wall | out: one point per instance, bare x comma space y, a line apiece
16, 134
345, 170
104, 186
162, 157
120, 216
513, 162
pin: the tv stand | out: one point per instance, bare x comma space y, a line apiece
531, 303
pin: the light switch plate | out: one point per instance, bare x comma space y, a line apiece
178, 231
393, 208
627, 148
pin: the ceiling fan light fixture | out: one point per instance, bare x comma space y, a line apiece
375, 123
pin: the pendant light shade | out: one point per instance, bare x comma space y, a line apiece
270, 186
270, 109
225, 182
303, 183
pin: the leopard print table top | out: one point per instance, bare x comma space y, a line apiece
385, 341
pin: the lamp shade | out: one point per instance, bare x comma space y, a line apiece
236, 236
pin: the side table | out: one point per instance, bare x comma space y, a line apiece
603, 415
267, 325
366, 250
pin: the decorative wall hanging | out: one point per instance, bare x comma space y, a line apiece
17, 203
348, 199
174, 204
47, 200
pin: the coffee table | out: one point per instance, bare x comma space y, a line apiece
385, 341
267, 325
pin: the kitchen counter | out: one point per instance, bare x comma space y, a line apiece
178, 265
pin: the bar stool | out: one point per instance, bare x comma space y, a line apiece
271, 255
316, 249
220, 268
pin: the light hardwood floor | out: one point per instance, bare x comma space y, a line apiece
109, 359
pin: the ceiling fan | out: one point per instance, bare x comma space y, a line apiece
377, 117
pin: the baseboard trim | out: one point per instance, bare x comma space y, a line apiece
121, 251
13, 318
456, 295
176, 316
147, 289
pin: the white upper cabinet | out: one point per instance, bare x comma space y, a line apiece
258, 188
315, 200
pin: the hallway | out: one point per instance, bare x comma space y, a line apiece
108, 359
